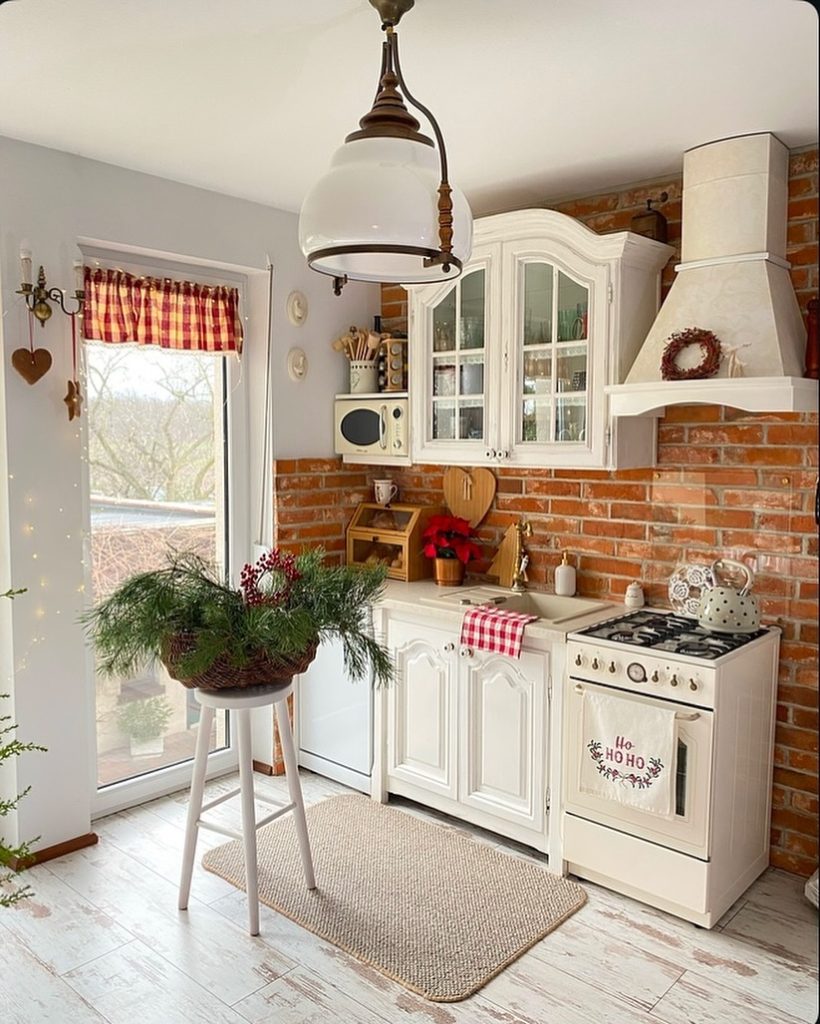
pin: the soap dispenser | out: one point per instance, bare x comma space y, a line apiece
565, 578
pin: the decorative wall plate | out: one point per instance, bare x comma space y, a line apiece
297, 307
685, 586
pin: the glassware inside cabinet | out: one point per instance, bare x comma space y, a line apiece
570, 418
472, 310
537, 372
444, 376
444, 420
458, 362
571, 366
573, 309
537, 327
536, 420
444, 324
471, 376
471, 420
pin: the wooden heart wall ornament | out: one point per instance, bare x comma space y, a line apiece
31, 365
469, 493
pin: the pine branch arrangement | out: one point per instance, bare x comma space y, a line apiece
11, 857
285, 605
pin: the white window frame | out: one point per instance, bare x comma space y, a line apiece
161, 781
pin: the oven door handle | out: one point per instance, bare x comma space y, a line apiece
679, 715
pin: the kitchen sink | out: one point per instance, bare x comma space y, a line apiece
549, 607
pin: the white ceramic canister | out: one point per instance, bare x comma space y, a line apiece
633, 598
565, 578
364, 376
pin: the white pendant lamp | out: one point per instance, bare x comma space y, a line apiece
385, 210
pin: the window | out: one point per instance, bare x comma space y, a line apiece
159, 432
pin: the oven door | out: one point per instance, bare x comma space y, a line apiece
687, 829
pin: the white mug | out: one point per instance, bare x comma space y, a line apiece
385, 491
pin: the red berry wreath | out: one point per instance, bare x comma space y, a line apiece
680, 340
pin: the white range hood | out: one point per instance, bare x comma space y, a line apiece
733, 280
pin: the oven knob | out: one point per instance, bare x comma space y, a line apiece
655, 676
612, 666
577, 659
674, 680
692, 684
595, 663
636, 672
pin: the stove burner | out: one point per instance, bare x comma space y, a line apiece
674, 634
627, 636
696, 650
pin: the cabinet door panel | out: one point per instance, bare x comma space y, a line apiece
454, 341
421, 709
504, 758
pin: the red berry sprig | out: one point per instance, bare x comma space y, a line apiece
280, 567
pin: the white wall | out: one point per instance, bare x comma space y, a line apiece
51, 199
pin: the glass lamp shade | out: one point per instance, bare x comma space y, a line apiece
381, 192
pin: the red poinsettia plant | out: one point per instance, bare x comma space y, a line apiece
450, 537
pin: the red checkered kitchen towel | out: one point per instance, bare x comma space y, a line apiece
488, 628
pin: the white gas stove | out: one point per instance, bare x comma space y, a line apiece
698, 855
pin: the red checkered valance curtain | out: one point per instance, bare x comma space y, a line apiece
180, 315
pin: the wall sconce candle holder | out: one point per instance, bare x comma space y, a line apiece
38, 297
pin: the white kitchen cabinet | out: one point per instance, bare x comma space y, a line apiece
421, 739
467, 731
503, 740
510, 362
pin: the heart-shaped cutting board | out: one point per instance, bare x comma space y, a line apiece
31, 365
469, 493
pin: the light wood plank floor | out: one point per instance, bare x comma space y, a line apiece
102, 940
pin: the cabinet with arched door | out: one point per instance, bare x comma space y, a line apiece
511, 360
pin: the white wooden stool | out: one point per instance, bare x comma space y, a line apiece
240, 702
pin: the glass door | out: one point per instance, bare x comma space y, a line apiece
158, 474
555, 340
458, 401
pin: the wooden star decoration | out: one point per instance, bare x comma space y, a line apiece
73, 400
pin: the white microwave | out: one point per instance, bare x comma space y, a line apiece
371, 426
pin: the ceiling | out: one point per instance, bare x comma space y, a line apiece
538, 99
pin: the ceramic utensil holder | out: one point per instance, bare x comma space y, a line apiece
364, 376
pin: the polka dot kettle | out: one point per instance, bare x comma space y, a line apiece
725, 609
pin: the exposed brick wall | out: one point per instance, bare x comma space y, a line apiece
727, 484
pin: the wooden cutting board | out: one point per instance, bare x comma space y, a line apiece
503, 565
469, 493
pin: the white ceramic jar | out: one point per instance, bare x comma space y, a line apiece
634, 598
565, 578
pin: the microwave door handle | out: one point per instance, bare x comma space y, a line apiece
382, 427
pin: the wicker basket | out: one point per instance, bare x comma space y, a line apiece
263, 669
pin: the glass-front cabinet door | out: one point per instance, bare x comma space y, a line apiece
552, 361
454, 384
554, 339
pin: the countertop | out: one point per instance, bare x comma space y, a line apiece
416, 596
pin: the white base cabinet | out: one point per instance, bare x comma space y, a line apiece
467, 732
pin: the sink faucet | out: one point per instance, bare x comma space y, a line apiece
520, 557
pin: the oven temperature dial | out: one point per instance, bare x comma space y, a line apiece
636, 672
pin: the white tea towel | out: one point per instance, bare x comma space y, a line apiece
628, 752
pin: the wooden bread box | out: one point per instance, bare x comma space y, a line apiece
391, 534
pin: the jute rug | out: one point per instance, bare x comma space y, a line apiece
431, 908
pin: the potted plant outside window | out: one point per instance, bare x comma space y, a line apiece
211, 635
144, 722
448, 541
